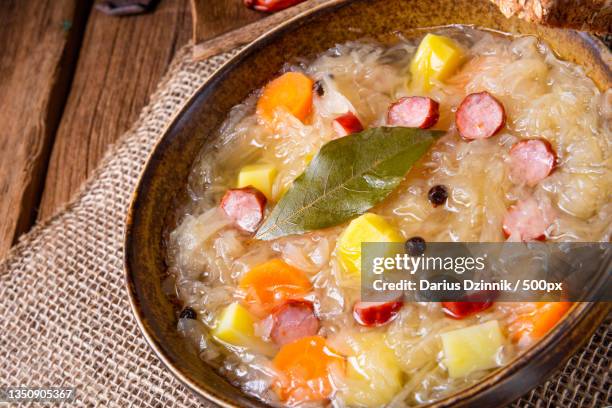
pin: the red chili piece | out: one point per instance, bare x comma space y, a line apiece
346, 124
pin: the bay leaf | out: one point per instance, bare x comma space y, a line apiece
346, 178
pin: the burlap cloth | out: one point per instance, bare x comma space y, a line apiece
65, 319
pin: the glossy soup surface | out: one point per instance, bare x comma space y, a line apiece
408, 360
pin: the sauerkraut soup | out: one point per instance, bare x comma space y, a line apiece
473, 136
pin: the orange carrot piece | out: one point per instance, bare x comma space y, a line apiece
549, 313
291, 91
305, 367
271, 284
534, 326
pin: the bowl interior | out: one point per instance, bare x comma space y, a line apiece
166, 172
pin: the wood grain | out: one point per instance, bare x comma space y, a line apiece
213, 18
39, 44
121, 61
206, 47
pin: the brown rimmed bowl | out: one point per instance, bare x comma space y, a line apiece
165, 176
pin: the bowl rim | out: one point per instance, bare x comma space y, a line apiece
576, 315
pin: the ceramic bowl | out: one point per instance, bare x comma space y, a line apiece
166, 173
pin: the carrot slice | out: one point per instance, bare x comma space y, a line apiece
305, 367
271, 284
291, 91
534, 326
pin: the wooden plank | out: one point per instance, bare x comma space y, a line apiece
121, 61
205, 46
39, 44
213, 18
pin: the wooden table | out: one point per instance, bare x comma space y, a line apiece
72, 80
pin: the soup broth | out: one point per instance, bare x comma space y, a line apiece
536, 167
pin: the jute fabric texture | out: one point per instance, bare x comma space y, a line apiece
65, 319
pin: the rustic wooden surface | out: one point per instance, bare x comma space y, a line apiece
211, 20
122, 60
207, 46
38, 47
72, 80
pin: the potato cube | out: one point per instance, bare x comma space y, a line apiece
235, 327
373, 375
260, 176
437, 58
365, 228
472, 348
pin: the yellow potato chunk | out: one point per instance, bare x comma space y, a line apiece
365, 228
437, 58
472, 348
235, 327
373, 375
260, 176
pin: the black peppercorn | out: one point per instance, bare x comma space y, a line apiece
188, 313
318, 87
437, 195
415, 246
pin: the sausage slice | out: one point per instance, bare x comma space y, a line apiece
372, 314
473, 303
292, 321
480, 116
414, 111
245, 206
532, 160
461, 310
346, 124
527, 220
